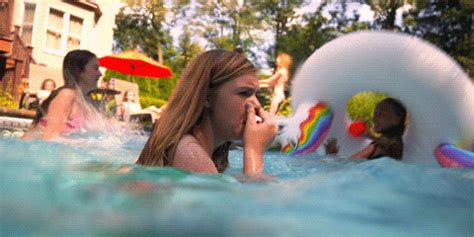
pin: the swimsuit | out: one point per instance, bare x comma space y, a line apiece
386, 150
74, 124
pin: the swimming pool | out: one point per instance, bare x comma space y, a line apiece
91, 187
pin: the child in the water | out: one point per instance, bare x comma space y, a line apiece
389, 120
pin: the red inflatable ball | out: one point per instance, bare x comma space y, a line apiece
357, 128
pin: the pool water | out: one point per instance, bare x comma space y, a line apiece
91, 187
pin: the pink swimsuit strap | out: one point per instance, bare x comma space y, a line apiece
43, 122
73, 124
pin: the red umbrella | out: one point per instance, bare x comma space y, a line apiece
134, 63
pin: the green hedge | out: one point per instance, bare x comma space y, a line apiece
362, 105
6, 101
152, 91
147, 101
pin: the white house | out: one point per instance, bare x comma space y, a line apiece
55, 27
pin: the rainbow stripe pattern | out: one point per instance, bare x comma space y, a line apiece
313, 131
448, 155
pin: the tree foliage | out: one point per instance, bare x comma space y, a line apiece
243, 24
186, 51
143, 27
229, 25
448, 25
277, 14
302, 40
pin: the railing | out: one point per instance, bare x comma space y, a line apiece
17, 65
13, 127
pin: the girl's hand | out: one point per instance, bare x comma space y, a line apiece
257, 135
331, 146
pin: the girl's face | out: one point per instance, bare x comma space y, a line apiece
49, 85
227, 106
384, 118
91, 73
130, 96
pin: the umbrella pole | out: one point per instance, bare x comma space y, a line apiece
130, 78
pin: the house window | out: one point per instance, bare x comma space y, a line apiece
64, 32
28, 19
75, 33
55, 29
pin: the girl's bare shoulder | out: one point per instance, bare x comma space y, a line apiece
67, 92
190, 155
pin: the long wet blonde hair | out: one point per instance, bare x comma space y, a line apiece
285, 60
207, 72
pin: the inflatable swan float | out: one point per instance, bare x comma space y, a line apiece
437, 93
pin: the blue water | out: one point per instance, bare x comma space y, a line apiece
92, 187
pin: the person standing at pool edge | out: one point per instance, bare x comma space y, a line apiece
67, 108
278, 81
214, 103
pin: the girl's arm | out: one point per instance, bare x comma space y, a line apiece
271, 81
364, 153
58, 114
256, 138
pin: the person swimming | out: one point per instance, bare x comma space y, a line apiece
213, 104
389, 121
67, 108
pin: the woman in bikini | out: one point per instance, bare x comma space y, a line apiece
67, 109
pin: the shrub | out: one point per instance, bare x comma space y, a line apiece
361, 106
6, 101
147, 101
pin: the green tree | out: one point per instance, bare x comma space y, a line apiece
144, 27
385, 12
302, 40
229, 24
187, 50
448, 25
277, 14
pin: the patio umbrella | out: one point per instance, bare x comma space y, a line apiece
134, 63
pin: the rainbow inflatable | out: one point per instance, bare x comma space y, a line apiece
451, 156
312, 130
437, 93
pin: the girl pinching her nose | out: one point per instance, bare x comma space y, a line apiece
213, 104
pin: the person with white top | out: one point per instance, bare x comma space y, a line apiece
128, 106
